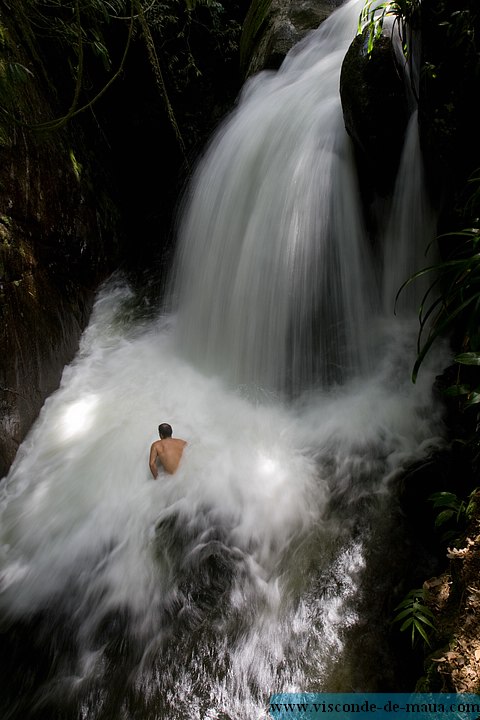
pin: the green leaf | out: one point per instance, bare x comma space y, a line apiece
473, 399
443, 498
406, 624
415, 593
456, 390
439, 330
422, 632
401, 615
424, 619
443, 517
468, 358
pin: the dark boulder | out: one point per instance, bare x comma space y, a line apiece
375, 109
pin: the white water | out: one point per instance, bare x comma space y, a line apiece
242, 574
409, 241
288, 286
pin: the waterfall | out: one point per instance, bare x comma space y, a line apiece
259, 565
410, 231
283, 300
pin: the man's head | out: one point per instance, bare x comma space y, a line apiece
165, 431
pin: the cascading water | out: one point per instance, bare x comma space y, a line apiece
410, 230
287, 287
250, 570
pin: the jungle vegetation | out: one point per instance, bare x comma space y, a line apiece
79, 48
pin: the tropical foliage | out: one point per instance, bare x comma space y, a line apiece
404, 14
451, 308
93, 38
452, 297
415, 616
452, 510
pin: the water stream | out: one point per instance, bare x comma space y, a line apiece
278, 358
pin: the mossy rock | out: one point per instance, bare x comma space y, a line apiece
273, 27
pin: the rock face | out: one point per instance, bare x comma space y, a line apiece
79, 198
273, 27
54, 248
40, 323
375, 109
53, 252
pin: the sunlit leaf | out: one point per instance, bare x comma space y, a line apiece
473, 399
468, 358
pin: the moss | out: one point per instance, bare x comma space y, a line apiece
252, 28
77, 167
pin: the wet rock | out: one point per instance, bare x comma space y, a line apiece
375, 109
58, 238
273, 27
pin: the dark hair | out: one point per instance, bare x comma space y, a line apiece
165, 430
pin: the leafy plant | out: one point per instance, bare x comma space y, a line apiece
453, 296
453, 508
415, 615
77, 30
94, 37
469, 395
374, 14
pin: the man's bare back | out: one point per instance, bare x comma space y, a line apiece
168, 451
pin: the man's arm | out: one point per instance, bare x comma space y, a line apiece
153, 464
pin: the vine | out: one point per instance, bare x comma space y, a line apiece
78, 27
152, 53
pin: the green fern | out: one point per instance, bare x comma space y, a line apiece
415, 616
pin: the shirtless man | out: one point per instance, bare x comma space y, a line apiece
167, 450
